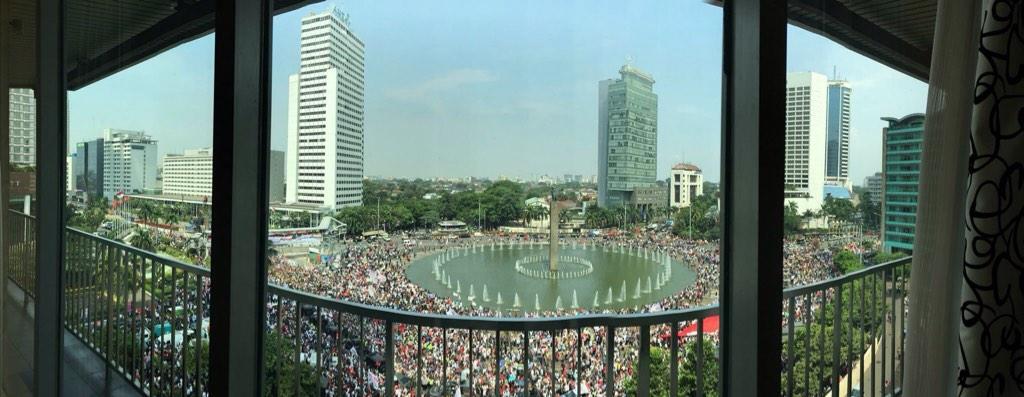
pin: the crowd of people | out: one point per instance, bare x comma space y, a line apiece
374, 273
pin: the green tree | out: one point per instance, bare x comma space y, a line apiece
869, 212
839, 209
143, 240
281, 371
847, 261
503, 202
660, 370
699, 219
791, 219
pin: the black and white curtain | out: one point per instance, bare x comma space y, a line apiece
992, 307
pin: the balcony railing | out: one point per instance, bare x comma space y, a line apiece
147, 316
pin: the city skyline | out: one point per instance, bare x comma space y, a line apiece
442, 104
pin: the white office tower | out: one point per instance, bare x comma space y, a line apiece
189, 174
806, 121
325, 115
23, 126
129, 162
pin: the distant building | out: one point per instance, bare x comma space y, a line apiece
129, 162
325, 115
189, 174
837, 192
22, 126
685, 183
837, 156
69, 177
627, 136
276, 176
87, 167
901, 158
647, 198
806, 122
873, 186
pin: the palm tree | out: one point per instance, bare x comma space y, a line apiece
143, 240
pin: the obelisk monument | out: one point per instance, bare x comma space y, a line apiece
553, 237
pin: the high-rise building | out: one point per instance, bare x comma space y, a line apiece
276, 176
901, 168
88, 167
129, 162
627, 136
189, 174
686, 182
325, 115
873, 187
806, 104
23, 126
837, 156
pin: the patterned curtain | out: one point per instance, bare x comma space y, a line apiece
991, 341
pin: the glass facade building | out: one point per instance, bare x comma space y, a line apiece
628, 136
901, 146
837, 157
87, 167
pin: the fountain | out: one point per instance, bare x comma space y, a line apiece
515, 301
608, 300
499, 301
558, 303
622, 292
487, 298
575, 303
472, 295
657, 282
596, 304
458, 287
536, 302
636, 292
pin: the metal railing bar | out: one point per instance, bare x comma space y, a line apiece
844, 279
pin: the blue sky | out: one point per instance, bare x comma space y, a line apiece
459, 88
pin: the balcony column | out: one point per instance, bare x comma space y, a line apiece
990, 310
5, 183
51, 127
241, 148
938, 252
753, 151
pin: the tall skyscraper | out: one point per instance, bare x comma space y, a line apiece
627, 136
325, 115
88, 167
129, 162
901, 169
189, 174
837, 157
23, 126
806, 121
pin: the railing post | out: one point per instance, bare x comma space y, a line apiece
644, 384
609, 362
389, 357
673, 380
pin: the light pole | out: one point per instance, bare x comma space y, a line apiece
689, 211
